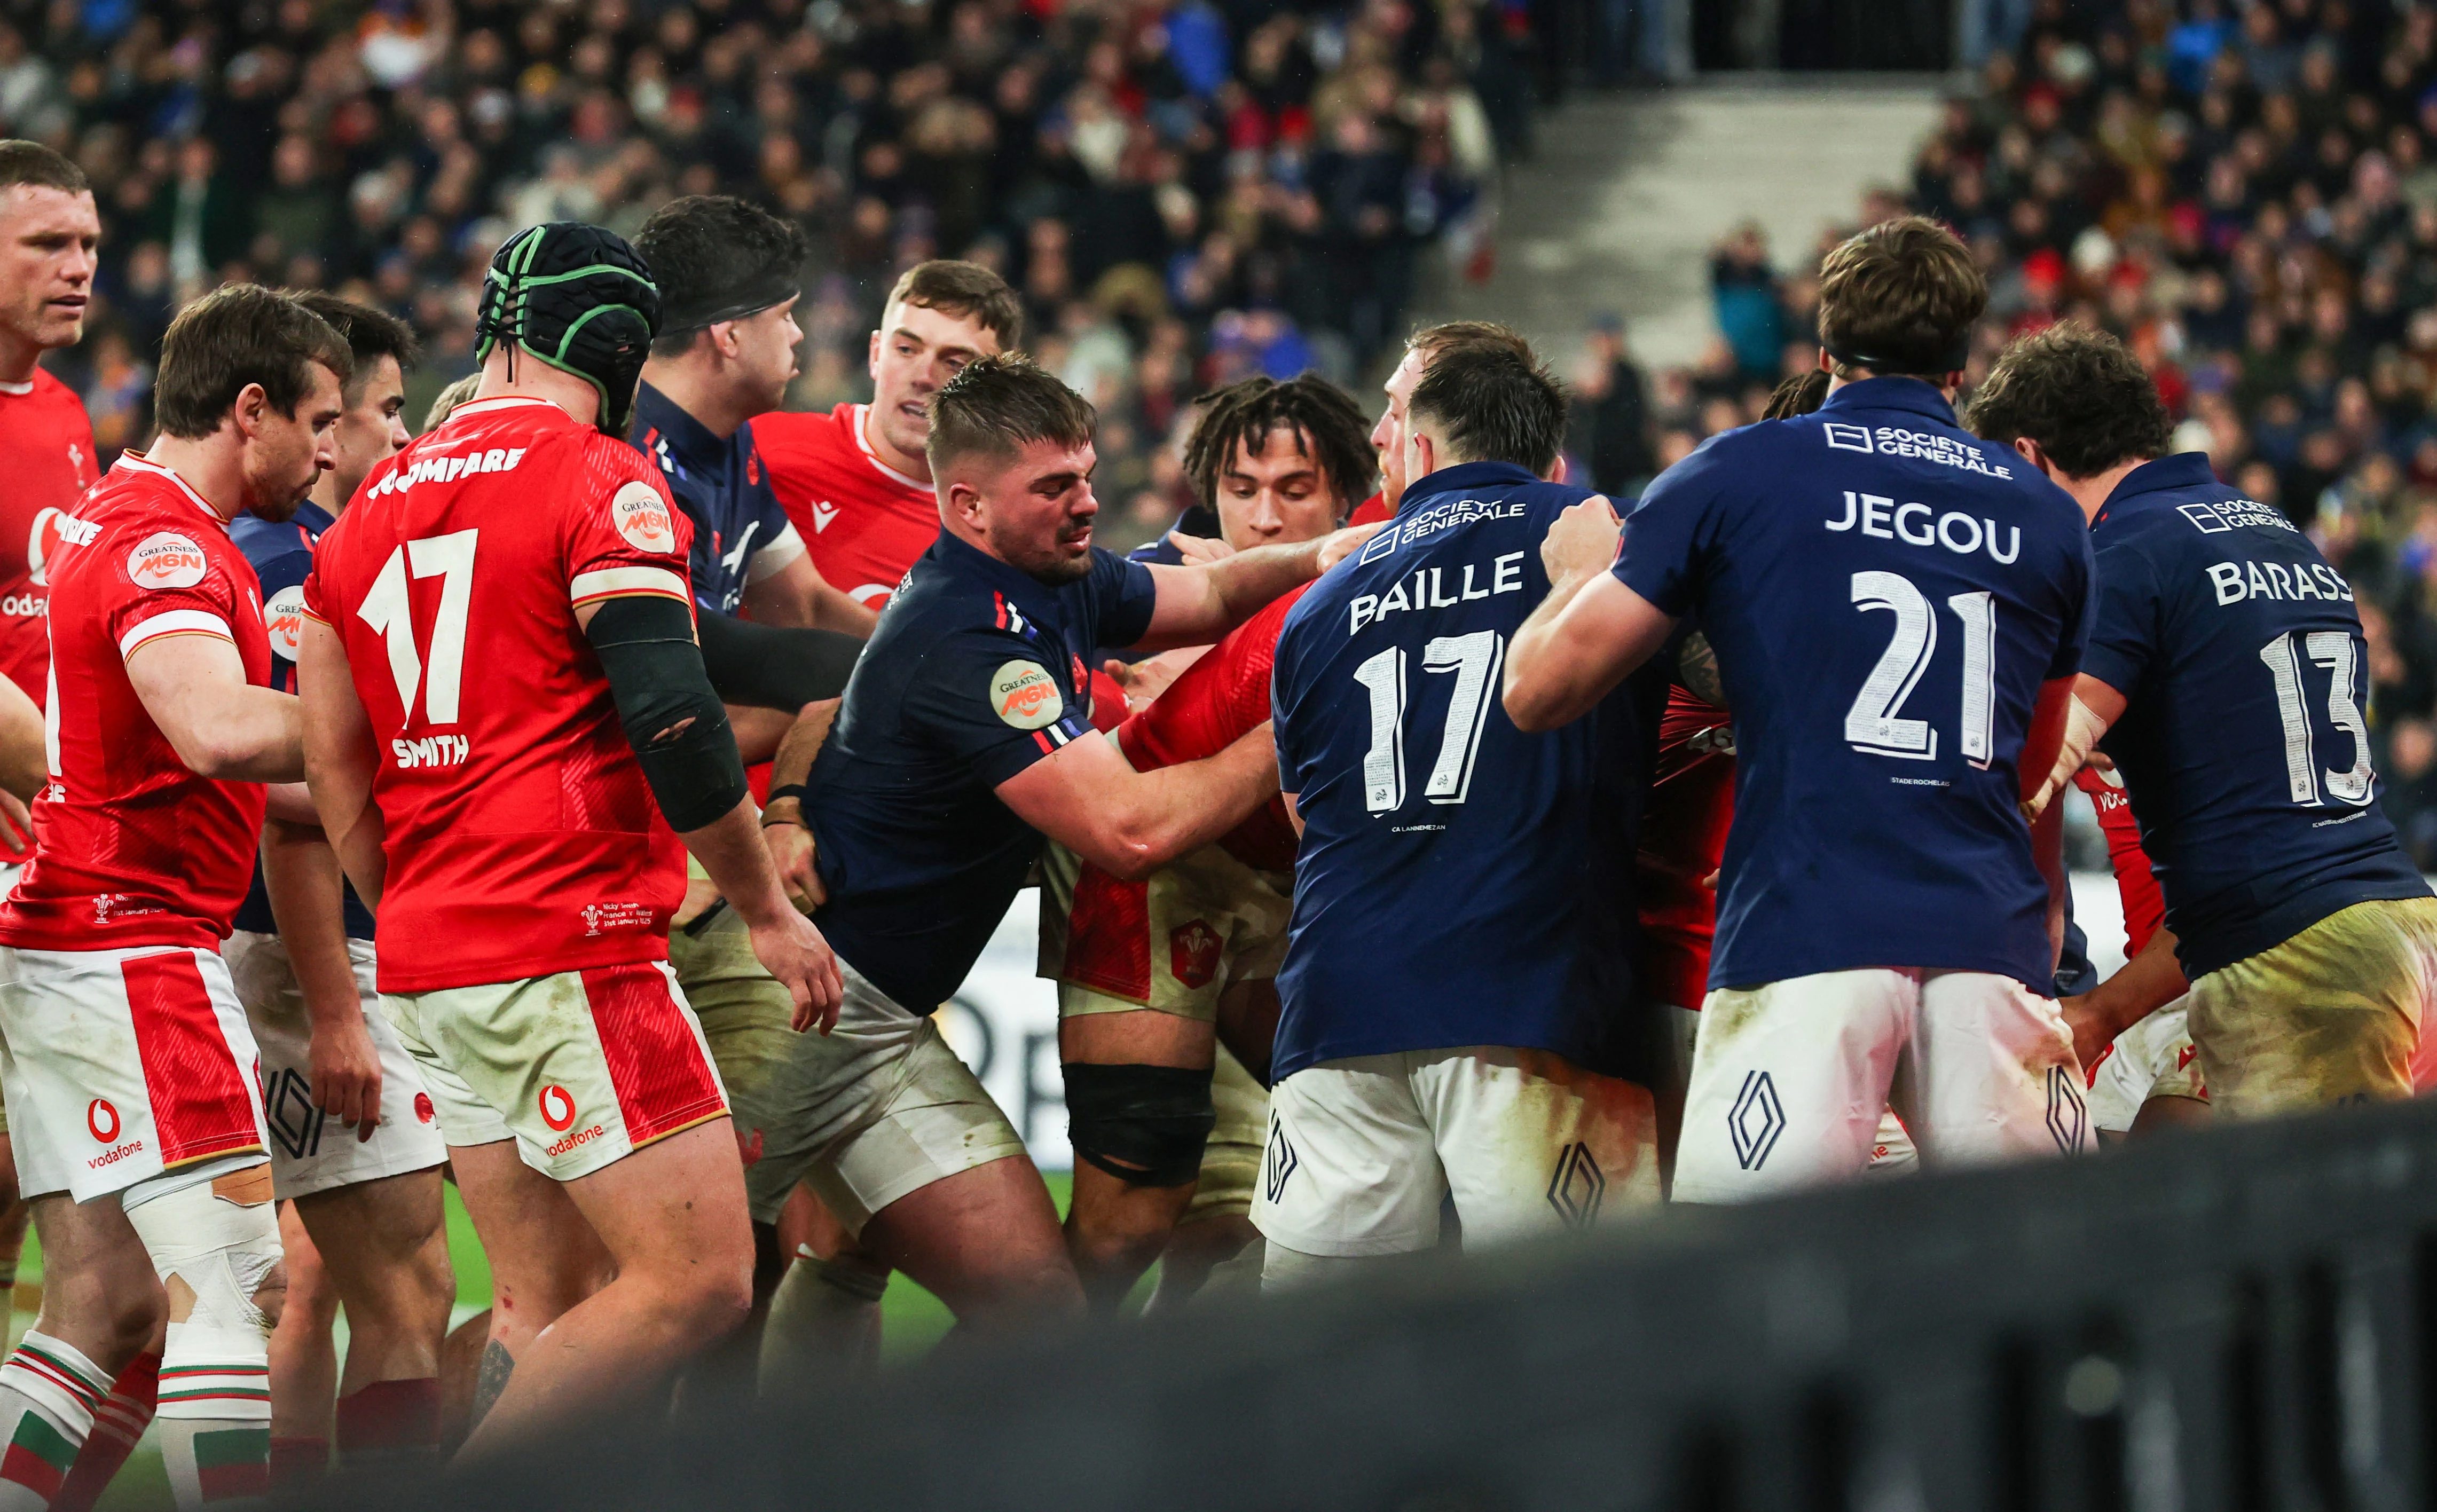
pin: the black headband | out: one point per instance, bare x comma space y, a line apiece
756, 295
1957, 358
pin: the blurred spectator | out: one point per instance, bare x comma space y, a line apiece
1750, 304
1607, 427
1183, 189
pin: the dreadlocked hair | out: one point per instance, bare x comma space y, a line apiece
1328, 427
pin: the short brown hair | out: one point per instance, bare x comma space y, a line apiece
1899, 299
1322, 418
967, 291
370, 334
2079, 395
236, 335
1431, 340
1495, 404
998, 405
31, 163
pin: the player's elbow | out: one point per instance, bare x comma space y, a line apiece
1531, 705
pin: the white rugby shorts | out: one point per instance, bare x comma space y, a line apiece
308, 1152
1362, 1150
1792, 1080
2152, 1058
123, 1064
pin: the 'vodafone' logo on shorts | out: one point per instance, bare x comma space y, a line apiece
167, 559
557, 1106
102, 1120
424, 1112
641, 516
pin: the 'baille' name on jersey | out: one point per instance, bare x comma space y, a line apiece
1428, 588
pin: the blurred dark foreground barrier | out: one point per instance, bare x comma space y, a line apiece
2243, 1319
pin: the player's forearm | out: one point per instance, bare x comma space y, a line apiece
292, 802
1231, 590
833, 609
23, 761
729, 849
1549, 681
2149, 982
249, 735
307, 890
342, 791
2047, 853
1174, 811
793, 765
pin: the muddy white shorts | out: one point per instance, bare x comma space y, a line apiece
2152, 1058
308, 1152
1363, 1150
581, 1067
876, 1109
122, 1064
1792, 1080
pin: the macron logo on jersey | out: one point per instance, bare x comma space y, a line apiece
823, 512
448, 469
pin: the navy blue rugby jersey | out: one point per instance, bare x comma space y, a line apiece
1887, 594
2244, 743
1459, 881
974, 673
741, 532
282, 556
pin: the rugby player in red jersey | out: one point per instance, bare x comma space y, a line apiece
538, 807
129, 1058
1154, 974
48, 230
2131, 1031
855, 480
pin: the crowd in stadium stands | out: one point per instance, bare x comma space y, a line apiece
2247, 195
1184, 190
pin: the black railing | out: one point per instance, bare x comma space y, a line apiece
2245, 1318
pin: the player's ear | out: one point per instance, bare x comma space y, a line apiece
2029, 452
252, 400
871, 359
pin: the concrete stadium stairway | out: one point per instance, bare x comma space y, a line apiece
1628, 191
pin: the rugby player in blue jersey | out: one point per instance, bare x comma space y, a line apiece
1459, 1013
1898, 612
2228, 676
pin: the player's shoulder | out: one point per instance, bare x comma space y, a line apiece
805, 436
262, 540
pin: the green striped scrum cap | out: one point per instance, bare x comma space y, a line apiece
578, 298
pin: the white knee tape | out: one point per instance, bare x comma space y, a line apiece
217, 1363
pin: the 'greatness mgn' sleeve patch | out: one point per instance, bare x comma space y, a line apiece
1024, 695
641, 516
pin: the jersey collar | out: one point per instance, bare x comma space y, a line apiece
1461, 476
863, 443
1915, 396
137, 461
2181, 471
681, 438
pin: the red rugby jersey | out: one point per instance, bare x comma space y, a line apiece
522, 838
46, 446
862, 520
136, 850
2145, 905
1683, 837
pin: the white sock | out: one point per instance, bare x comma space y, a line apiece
48, 1393
824, 1324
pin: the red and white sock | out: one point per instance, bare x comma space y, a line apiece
118, 1424
48, 1394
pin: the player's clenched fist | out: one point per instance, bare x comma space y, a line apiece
1582, 542
790, 844
793, 951
347, 1072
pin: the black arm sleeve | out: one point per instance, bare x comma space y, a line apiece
771, 668
646, 647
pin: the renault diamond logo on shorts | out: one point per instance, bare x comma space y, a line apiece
102, 1120
557, 1108
1756, 1120
1279, 1162
288, 1107
1575, 1191
2067, 1115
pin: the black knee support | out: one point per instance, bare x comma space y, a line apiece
1143, 1124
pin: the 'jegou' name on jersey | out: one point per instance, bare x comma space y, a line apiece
1887, 594
1460, 882
2243, 741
